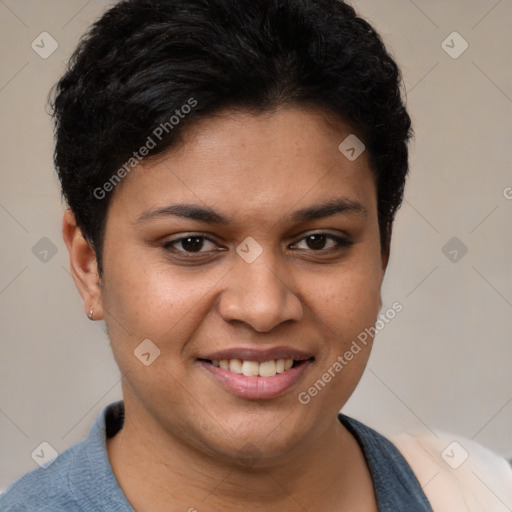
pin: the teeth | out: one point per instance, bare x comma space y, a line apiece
253, 368
235, 366
250, 368
268, 369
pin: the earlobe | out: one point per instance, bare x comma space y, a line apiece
83, 266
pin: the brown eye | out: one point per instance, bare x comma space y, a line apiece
318, 242
188, 244
192, 244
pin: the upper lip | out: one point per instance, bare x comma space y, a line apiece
259, 355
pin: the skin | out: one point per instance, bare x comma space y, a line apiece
187, 442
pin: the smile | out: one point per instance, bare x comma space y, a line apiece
256, 380
254, 368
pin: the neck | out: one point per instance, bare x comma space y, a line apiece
156, 469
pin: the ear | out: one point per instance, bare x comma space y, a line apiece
83, 265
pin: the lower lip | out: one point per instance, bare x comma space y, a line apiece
257, 388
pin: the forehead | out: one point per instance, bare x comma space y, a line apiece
258, 164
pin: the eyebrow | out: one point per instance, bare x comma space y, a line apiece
208, 215
332, 207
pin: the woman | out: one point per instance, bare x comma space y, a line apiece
232, 171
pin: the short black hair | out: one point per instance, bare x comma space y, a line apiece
155, 66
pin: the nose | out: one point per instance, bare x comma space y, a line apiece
260, 295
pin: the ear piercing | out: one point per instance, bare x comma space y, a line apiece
91, 314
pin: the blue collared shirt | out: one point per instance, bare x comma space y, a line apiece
81, 477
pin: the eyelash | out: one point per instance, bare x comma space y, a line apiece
341, 243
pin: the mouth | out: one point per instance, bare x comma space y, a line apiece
248, 368
256, 375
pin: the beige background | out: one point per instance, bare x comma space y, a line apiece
443, 363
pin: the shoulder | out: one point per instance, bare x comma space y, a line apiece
457, 473
44, 489
80, 478
395, 483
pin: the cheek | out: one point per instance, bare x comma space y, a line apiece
149, 300
346, 306
349, 301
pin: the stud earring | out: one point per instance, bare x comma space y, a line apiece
91, 314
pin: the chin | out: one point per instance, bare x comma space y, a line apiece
252, 445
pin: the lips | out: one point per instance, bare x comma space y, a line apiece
257, 374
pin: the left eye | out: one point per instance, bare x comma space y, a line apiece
317, 241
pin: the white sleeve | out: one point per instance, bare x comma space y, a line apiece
457, 474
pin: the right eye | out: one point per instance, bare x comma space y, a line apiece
189, 244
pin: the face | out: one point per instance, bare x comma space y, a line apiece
256, 240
